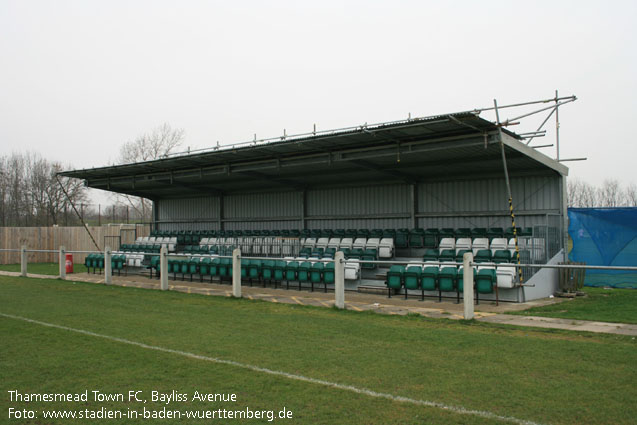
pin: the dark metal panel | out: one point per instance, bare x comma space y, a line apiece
378, 223
191, 209
383, 199
263, 225
271, 204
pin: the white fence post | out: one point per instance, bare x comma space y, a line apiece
108, 272
236, 273
23, 261
339, 280
467, 290
62, 261
163, 267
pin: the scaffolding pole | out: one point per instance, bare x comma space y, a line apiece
508, 185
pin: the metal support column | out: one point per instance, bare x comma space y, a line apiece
413, 205
220, 212
304, 209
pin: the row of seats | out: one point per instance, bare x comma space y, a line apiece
432, 277
263, 271
404, 238
383, 246
480, 256
96, 261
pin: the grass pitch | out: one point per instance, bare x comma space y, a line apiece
541, 376
600, 304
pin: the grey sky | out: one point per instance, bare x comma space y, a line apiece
80, 78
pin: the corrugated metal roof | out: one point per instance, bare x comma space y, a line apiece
440, 147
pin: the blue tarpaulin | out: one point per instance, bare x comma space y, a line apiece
605, 237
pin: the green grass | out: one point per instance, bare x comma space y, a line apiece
51, 269
544, 376
603, 305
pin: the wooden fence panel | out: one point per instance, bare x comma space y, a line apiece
73, 238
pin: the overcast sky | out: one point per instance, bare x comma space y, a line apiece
80, 78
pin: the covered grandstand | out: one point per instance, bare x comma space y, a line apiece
403, 190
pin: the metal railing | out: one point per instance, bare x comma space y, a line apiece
339, 266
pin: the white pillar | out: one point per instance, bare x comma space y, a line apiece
108, 272
23, 261
236, 273
62, 261
467, 290
163, 267
339, 280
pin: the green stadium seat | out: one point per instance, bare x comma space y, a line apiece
502, 256
394, 278
316, 273
447, 232
291, 273
416, 238
495, 232
460, 282
447, 280
215, 267
267, 271
463, 232
485, 281
328, 275
304, 272
402, 239
447, 255
154, 264
254, 271
429, 278
460, 255
431, 238
204, 268
279, 272
411, 278
225, 268
482, 256
370, 255
479, 232
356, 254
431, 255
193, 266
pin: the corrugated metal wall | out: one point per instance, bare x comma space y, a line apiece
263, 205
384, 199
455, 202
188, 214
475, 203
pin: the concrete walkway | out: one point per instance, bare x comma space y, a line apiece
486, 311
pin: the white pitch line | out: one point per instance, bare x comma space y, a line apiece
344, 387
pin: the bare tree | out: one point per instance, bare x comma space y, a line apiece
631, 195
581, 194
154, 145
611, 194
29, 192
